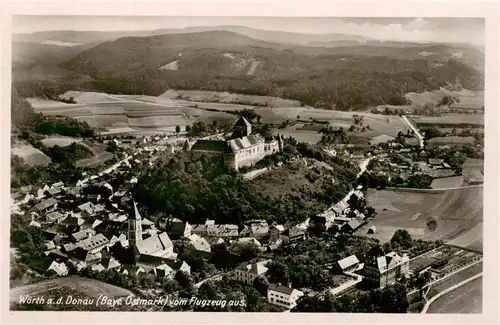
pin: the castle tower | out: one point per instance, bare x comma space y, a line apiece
135, 227
242, 128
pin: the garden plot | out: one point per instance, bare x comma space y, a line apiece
31, 155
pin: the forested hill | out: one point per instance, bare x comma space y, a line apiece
344, 78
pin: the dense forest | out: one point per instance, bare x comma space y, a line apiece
343, 78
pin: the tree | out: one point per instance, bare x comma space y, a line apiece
249, 251
402, 238
177, 129
433, 132
261, 284
278, 272
421, 280
393, 299
183, 279
188, 128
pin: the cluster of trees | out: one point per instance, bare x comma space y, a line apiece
59, 125
200, 128
22, 174
390, 299
68, 155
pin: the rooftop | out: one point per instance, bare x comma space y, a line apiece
280, 288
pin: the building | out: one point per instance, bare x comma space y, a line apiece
282, 296
349, 264
45, 205
175, 228
135, 228
250, 272
222, 230
275, 232
244, 149
392, 267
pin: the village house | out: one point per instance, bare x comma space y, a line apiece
244, 149
48, 267
250, 272
275, 232
175, 228
50, 203
392, 267
282, 296
199, 243
222, 230
349, 264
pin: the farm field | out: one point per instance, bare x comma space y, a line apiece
31, 155
455, 213
452, 140
226, 97
60, 141
458, 119
447, 182
454, 279
472, 169
466, 299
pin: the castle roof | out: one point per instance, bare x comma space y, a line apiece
211, 145
245, 142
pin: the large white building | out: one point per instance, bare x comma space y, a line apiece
244, 149
282, 296
392, 267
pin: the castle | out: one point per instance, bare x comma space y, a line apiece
243, 149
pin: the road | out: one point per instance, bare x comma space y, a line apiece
419, 136
464, 297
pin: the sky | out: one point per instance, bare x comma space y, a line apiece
453, 30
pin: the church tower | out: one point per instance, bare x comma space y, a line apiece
135, 228
242, 128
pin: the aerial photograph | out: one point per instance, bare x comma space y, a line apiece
247, 164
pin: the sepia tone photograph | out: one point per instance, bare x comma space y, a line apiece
247, 164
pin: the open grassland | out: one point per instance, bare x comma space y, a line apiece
456, 212
31, 155
467, 299
226, 97
451, 140
447, 121
473, 169
60, 141
447, 182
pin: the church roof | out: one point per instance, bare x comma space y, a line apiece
242, 122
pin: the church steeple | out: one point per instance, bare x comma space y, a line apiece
135, 227
242, 128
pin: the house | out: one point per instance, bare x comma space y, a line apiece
45, 205
93, 244
158, 245
351, 226
392, 267
82, 258
435, 163
259, 229
48, 267
282, 296
237, 246
250, 272
223, 230
55, 191
80, 235
200, 230
275, 232
53, 216
244, 149
175, 228
297, 233
87, 209
199, 243
349, 264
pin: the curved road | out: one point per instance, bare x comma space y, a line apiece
419, 136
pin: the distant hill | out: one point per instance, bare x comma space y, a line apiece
344, 77
261, 34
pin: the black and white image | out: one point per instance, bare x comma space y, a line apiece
247, 164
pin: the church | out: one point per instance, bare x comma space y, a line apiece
157, 245
243, 149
